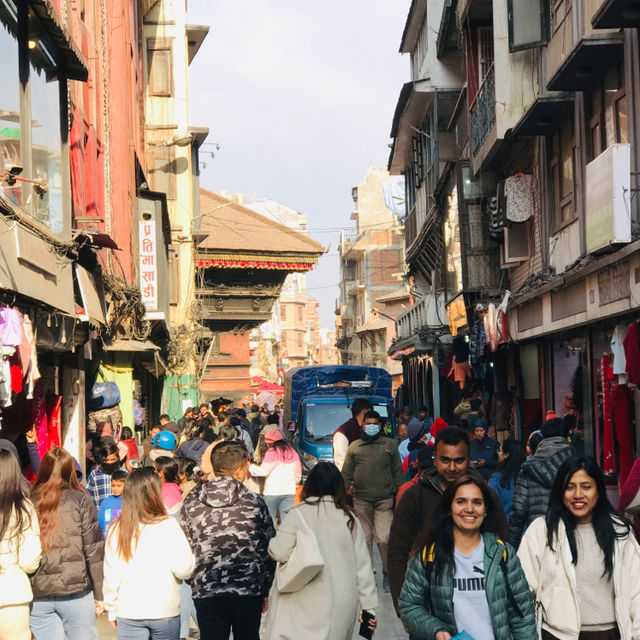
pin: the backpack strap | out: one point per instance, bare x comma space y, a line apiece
503, 566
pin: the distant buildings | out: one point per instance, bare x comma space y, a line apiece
371, 277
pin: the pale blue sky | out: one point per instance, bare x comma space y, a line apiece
300, 96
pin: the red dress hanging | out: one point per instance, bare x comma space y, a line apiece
608, 442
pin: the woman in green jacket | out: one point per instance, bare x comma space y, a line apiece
463, 577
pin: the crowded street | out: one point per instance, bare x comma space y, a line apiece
320, 321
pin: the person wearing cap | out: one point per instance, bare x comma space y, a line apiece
418, 433
164, 444
282, 471
484, 450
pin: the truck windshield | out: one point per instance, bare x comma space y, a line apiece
322, 419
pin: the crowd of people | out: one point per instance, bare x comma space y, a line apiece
208, 524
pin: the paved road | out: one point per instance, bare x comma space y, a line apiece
389, 627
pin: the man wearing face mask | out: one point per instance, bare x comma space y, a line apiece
372, 472
99, 481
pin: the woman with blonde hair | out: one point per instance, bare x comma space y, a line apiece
67, 588
19, 550
146, 557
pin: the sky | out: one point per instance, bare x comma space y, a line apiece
300, 96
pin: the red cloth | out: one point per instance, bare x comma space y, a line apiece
631, 345
40, 419
15, 366
351, 430
408, 484
621, 405
608, 442
630, 487
54, 420
438, 424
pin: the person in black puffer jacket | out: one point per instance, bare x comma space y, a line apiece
533, 487
67, 587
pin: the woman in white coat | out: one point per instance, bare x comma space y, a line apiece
327, 607
146, 556
20, 550
582, 561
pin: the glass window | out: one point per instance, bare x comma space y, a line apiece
452, 244
46, 204
9, 111
563, 172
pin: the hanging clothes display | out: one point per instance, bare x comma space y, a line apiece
617, 348
10, 327
608, 446
631, 344
491, 326
518, 191
54, 419
622, 416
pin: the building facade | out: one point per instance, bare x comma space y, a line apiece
371, 268
522, 224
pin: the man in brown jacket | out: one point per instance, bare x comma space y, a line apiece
418, 503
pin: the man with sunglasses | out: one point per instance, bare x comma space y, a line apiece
418, 503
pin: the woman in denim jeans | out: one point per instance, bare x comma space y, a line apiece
146, 557
67, 588
282, 472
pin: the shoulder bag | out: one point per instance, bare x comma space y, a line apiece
304, 563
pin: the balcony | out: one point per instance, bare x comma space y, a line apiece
578, 55
429, 313
617, 14
482, 113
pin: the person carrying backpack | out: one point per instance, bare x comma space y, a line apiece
463, 577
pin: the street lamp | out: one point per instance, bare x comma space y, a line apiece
180, 139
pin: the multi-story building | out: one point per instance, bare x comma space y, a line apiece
371, 267
527, 207
169, 46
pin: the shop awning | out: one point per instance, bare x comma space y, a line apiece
91, 310
73, 61
131, 346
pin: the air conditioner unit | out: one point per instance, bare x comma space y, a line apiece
515, 249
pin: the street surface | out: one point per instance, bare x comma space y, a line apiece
389, 626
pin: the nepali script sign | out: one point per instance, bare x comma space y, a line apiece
148, 265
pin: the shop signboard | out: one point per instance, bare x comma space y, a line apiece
607, 214
148, 265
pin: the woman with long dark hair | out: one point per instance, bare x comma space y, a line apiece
511, 455
582, 560
146, 556
67, 588
327, 606
19, 550
282, 471
462, 577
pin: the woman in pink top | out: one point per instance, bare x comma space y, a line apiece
167, 470
282, 472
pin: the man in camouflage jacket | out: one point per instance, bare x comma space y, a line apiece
229, 529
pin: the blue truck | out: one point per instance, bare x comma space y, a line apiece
319, 400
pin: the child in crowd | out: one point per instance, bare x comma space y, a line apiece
111, 506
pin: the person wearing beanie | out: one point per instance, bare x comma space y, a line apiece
533, 486
282, 471
418, 433
484, 450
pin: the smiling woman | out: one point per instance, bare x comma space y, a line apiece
457, 581
582, 560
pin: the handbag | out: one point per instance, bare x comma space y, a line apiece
304, 563
103, 395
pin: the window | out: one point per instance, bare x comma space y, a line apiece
283, 312
528, 25
563, 149
161, 162
300, 339
160, 66
300, 313
608, 112
42, 160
